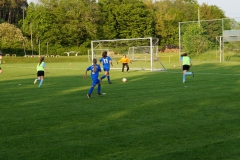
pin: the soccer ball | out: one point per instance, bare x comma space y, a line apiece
124, 79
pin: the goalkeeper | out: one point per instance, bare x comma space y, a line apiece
125, 62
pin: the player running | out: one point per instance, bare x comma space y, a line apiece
94, 69
186, 64
106, 61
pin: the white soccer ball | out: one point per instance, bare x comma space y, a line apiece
124, 79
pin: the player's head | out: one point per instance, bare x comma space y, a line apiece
94, 61
104, 54
184, 54
124, 55
41, 60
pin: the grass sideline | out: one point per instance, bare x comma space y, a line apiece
151, 116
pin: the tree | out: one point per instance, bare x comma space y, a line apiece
10, 36
194, 41
126, 19
167, 15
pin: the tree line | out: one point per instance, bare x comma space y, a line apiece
59, 25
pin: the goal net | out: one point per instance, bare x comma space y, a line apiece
143, 52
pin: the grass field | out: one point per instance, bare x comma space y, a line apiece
151, 116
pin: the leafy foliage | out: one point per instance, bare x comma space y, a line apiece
66, 24
10, 36
194, 40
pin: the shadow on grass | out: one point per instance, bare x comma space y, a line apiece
151, 116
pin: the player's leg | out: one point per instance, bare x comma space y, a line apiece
185, 68
189, 73
105, 74
91, 88
38, 77
41, 78
127, 67
99, 87
123, 65
108, 77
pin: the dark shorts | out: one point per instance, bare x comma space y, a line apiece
186, 67
40, 73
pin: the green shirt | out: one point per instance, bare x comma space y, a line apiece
41, 66
186, 60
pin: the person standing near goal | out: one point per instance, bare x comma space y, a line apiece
94, 69
106, 61
125, 62
186, 64
41, 66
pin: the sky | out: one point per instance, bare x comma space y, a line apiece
230, 7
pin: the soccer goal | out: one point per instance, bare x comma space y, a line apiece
143, 52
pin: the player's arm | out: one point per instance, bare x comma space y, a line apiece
119, 61
129, 60
111, 63
85, 74
45, 68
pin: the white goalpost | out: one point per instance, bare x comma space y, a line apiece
143, 52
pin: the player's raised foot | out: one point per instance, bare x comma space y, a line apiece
35, 81
99, 94
193, 74
89, 95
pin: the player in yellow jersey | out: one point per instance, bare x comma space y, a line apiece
186, 64
41, 66
125, 62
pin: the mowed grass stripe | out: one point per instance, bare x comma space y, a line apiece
151, 116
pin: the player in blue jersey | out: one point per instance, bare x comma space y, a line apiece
94, 69
106, 61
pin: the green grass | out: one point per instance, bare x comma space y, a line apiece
151, 116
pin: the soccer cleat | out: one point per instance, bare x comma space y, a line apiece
99, 94
192, 74
35, 81
183, 82
89, 95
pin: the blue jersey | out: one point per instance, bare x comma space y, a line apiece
106, 62
94, 75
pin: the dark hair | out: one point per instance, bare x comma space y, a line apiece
41, 60
104, 54
1, 53
184, 54
94, 60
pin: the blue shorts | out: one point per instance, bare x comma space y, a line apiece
106, 69
95, 82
